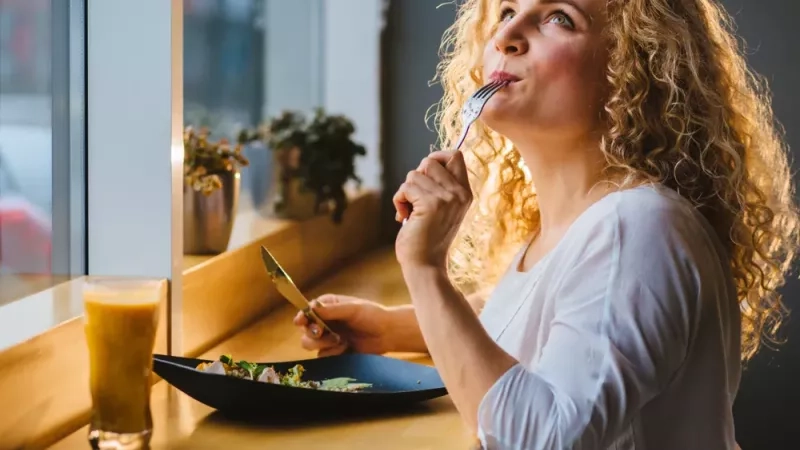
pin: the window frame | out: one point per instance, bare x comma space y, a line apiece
68, 130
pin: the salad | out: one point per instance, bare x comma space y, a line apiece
225, 365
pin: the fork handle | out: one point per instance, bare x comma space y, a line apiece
463, 137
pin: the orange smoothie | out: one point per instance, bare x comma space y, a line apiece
120, 328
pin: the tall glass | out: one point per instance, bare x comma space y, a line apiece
121, 317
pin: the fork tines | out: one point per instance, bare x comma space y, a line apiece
489, 89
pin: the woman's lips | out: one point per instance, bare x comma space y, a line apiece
499, 75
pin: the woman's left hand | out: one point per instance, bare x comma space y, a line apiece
439, 194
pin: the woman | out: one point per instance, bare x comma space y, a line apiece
648, 230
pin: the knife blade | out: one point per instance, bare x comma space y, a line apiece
289, 290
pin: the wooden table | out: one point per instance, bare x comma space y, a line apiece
183, 423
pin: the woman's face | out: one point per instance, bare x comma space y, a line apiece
555, 52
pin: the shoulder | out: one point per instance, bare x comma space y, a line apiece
649, 211
650, 237
642, 220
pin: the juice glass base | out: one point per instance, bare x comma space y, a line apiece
109, 440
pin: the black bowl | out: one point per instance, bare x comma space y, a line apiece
395, 383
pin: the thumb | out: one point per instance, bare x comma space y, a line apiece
453, 161
458, 167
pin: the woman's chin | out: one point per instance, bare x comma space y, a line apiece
499, 117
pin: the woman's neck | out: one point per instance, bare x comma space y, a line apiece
567, 178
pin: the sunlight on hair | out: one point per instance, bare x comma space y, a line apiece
683, 110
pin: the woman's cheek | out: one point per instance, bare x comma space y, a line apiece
555, 62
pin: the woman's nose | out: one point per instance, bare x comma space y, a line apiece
510, 40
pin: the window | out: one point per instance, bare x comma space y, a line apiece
223, 61
244, 62
223, 77
77, 199
248, 61
42, 145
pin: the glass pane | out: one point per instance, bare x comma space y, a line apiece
223, 64
223, 60
41, 130
245, 62
223, 92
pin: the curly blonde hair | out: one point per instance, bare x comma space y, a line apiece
683, 111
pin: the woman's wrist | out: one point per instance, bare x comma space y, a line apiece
403, 333
427, 281
422, 272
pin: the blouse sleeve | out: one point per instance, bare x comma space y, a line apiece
620, 330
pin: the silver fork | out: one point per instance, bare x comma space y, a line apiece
474, 105
472, 110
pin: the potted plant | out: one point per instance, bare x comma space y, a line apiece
211, 191
314, 160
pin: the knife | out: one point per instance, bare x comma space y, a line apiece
289, 290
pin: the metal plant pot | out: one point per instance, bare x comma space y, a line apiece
208, 219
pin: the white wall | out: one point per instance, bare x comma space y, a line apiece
352, 73
293, 69
327, 52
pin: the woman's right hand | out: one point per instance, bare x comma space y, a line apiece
363, 326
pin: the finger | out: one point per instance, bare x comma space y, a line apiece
404, 199
442, 156
316, 332
401, 204
333, 351
329, 299
408, 194
300, 319
312, 343
438, 173
424, 181
454, 163
338, 311
414, 176
313, 331
414, 193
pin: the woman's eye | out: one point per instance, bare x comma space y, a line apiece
561, 19
506, 15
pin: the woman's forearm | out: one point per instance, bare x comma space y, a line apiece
405, 334
467, 359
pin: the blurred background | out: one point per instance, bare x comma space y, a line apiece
247, 60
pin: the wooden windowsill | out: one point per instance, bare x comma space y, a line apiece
222, 294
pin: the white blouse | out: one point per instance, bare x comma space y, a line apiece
627, 335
